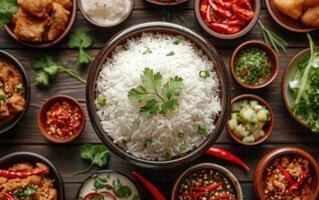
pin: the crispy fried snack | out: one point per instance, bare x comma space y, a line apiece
67, 4
311, 3
311, 17
59, 21
37, 8
291, 8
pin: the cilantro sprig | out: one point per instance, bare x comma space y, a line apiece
157, 98
7, 9
46, 69
81, 40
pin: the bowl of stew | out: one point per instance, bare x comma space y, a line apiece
207, 181
254, 64
14, 91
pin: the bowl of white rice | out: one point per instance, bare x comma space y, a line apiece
158, 95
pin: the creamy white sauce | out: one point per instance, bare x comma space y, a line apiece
107, 12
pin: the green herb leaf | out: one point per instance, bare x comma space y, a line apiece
181, 135
79, 39
101, 101
125, 47
173, 87
136, 121
169, 106
177, 41
168, 155
42, 79
201, 129
7, 9
150, 109
137, 94
182, 147
147, 51
20, 86
151, 79
42, 62
148, 142
83, 57
99, 183
204, 74
172, 53
123, 191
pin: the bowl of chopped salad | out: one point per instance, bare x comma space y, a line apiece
254, 64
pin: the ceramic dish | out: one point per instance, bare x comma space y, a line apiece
243, 32
32, 158
163, 3
267, 128
266, 160
72, 18
43, 113
285, 21
6, 57
108, 177
270, 52
168, 28
208, 166
92, 21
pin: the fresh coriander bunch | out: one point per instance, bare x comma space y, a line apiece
81, 40
7, 9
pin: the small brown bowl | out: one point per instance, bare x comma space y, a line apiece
42, 118
244, 31
285, 21
267, 128
270, 52
233, 180
40, 45
95, 23
175, 2
263, 163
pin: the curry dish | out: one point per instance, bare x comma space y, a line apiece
24, 181
12, 92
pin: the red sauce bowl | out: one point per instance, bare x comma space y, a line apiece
42, 119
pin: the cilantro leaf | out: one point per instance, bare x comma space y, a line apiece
7, 9
137, 94
173, 87
172, 53
201, 129
150, 109
149, 78
42, 79
169, 106
42, 62
83, 57
79, 39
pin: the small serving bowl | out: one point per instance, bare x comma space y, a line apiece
6, 57
174, 2
285, 21
244, 31
42, 118
19, 157
266, 160
260, 45
267, 128
95, 23
41, 45
233, 180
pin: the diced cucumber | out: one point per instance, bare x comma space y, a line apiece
236, 107
249, 139
263, 115
241, 131
258, 134
254, 103
232, 124
248, 115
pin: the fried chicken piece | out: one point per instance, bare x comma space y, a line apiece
42, 166
37, 8
60, 19
21, 167
16, 103
291, 8
4, 111
311, 3
31, 29
6, 72
67, 4
16, 183
311, 17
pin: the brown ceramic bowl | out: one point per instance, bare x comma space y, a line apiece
89, 19
166, 28
265, 161
285, 21
267, 128
174, 2
42, 118
9, 29
244, 31
270, 52
233, 180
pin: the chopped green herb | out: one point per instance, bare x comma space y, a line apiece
177, 41
147, 51
172, 53
99, 183
81, 40
121, 191
201, 129
182, 147
7, 9
148, 142
3, 99
125, 47
20, 86
168, 155
101, 100
25, 193
181, 135
136, 121
204, 74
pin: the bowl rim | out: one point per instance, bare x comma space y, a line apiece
275, 153
284, 84
213, 33
264, 46
45, 106
172, 29
41, 45
24, 155
166, 4
134, 182
271, 122
278, 21
17, 65
234, 181
95, 23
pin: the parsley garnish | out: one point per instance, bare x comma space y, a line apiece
25, 193
201, 129
177, 41
204, 74
99, 183
7, 9
172, 53
182, 147
81, 40
121, 191
101, 101
168, 155
147, 51
148, 142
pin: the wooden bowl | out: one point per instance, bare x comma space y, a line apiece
157, 2
19, 157
244, 31
285, 21
89, 19
233, 180
263, 163
267, 128
9, 29
6, 57
42, 118
166, 28
270, 52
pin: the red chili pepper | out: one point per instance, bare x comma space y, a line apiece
224, 28
220, 11
300, 181
153, 190
193, 195
245, 3
99, 194
226, 196
234, 22
243, 13
208, 188
8, 196
208, 14
221, 153
288, 177
10, 174
227, 5
203, 8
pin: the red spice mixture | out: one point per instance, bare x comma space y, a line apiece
288, 178
63, 119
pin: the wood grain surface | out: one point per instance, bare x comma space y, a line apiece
26, 136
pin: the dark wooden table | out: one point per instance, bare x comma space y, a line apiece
26, 136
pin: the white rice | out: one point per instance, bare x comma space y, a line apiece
199, 100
